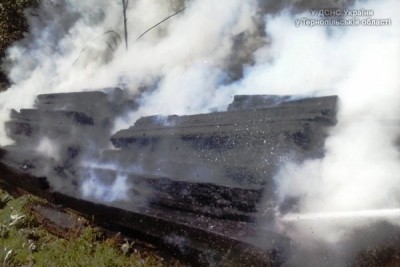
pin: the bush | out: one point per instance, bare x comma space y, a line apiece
13, 25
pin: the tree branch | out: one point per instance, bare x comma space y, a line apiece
124, 8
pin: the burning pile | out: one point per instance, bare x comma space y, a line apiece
264, 155
190, 181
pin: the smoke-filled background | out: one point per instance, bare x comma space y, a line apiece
196, 61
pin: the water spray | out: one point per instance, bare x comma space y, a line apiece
342, 215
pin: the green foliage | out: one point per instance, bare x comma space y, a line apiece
13, 25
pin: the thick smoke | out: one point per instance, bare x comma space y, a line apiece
199, 59
360, 170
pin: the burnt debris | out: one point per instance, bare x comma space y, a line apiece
196, 184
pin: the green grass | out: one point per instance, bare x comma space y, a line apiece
23, 242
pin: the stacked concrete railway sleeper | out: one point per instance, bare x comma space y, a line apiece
198, 184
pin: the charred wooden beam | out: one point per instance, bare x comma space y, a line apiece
18, 183
58, 222
197, 198
325, 105
105, 103
204, 198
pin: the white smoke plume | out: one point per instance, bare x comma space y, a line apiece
185, 67
95, 189
184, 57
360, 170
